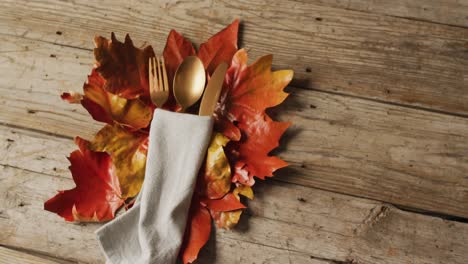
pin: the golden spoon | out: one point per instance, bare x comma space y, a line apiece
189, 82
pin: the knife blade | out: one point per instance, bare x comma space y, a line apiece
212, 91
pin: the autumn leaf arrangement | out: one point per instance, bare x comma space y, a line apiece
109, 170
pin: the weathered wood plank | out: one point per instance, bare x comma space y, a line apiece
303, 224
368, 55
12, 256
394, 154
233, 251
23, 194
390, 153
25, 224
34, 75
450, 12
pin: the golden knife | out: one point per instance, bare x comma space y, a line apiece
212, 91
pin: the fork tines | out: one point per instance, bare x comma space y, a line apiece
159, 87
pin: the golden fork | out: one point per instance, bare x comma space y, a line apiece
159, 87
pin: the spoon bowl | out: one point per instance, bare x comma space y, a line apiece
189, 82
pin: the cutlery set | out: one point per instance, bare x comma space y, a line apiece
188, 85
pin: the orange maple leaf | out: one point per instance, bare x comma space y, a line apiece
197, 231
110, 108
247, 92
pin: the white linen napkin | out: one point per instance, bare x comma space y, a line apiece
152, 230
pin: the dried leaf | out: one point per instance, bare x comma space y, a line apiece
244, 191
241, 175
123, 66
128, 151
247, 92
229, 219
226, 220
219, 48
96, 196
228, 203
227, 127
72, 97
175, 51
262, 136
110, 108
217, 177
197, 232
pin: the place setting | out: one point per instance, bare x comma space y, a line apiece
186, 135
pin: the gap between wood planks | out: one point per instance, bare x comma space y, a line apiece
36, 131
416, 107
19, 254
419, 20
400, 207
420, 14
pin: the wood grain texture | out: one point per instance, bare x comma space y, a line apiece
367, 55
77, 241
380, 111
394, 154
286, 223
399, 155
12, 256
450, 12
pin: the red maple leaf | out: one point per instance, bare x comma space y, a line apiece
96, 196
219, 48
197, 231
228, 203
262, 136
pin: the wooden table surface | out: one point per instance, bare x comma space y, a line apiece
378, 149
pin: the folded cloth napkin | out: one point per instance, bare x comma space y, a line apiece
152, 230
